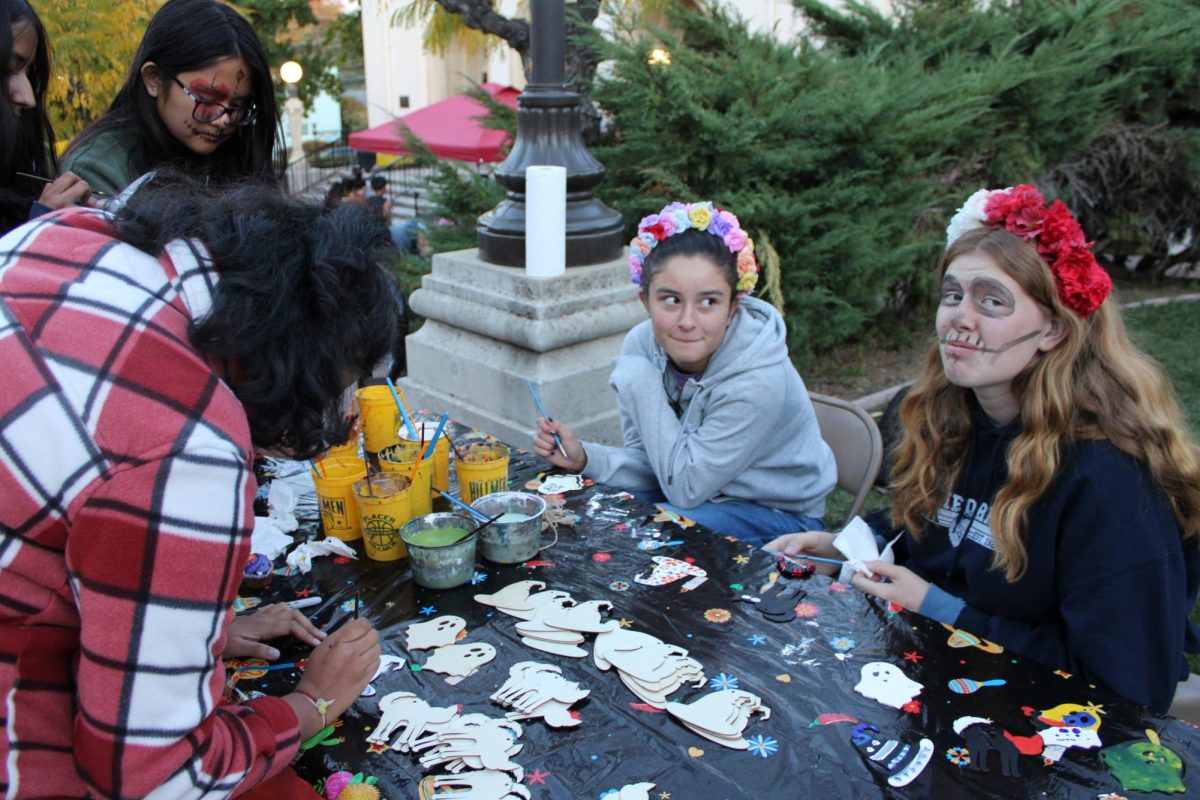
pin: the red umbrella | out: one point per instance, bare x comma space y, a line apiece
448, 128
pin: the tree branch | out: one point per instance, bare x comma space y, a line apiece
480, 15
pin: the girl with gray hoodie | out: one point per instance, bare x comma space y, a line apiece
716, 422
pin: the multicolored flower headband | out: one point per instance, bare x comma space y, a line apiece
1021, 210
679, 217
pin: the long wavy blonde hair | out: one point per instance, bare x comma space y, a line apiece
1094, 385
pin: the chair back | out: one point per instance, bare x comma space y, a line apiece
857, 446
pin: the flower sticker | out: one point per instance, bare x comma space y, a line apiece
717, 615
958, 756
764, 746
723, 682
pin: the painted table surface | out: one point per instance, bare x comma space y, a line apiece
805, 670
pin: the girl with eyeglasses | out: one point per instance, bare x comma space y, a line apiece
29, 177
198, 97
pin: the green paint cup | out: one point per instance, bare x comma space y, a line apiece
440, 556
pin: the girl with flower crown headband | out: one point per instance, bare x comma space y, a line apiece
717, 424
1045, 481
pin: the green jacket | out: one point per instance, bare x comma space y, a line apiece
106, 161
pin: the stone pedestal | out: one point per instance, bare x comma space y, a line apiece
488, 328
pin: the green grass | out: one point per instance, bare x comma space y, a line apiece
1171, 333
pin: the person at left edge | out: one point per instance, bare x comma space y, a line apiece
145, 357
25, 129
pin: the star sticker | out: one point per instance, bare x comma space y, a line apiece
740, 559
914, 656
664, 796
303, 592
537, 776
388, 604
1062, 673
428, 610
756, 639
912, 707
375, 748
625, 623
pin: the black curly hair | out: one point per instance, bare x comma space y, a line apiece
303, 307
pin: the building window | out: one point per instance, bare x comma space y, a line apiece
404, 101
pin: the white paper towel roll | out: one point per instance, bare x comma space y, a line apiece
545, 221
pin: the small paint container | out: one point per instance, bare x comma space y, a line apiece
516, 535
440, 557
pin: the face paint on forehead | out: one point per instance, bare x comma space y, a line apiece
211, 88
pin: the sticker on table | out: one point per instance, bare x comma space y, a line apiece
721, 716
668, 570
630, 791
969, 686
960, 638
1145, 766
982, 738
665, 515
412, 717
886, 684
387, 663
901, 761
558, 484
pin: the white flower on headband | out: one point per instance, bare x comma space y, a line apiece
971, 215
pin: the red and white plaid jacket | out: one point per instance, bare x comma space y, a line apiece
125, 516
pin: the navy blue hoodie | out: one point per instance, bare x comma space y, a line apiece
1109, 584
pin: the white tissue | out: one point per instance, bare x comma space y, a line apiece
268, 539
281, 504
301, 558
857, 543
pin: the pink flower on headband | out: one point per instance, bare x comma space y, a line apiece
676, 218
1021, 210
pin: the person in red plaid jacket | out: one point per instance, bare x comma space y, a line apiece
146, 355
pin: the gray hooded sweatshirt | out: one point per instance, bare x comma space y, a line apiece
746, 430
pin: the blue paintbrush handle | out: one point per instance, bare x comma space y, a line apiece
472, 511
542, 410
412, 431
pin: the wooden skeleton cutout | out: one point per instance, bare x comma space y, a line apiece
538, 690
488, 784
417, 718
513, 597
721, 716
459, 661
474, 741
437, 632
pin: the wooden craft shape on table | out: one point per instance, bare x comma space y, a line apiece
648, 667
487, 784
538, 633
417, 718
459, 661
585, 617
437, 632
474, 741
721, 716
515, 596
634, 791
539, 690
885, 683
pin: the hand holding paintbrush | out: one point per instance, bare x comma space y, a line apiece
67, 189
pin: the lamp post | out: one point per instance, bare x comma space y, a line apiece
291, 72
548, 120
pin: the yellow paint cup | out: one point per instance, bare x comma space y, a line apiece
380, 417
441, 453
399, 459
335, 496
384, 503
343, 452
482, 470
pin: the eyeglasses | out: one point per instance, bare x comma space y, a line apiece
210, 111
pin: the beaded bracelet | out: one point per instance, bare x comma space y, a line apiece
319, 703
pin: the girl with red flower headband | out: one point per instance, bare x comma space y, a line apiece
716, 422
1046, 481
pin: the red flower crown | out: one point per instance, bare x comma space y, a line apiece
1021, 210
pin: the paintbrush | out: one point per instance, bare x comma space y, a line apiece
478, 528
793, 560
542, 410
52, 180
472, 511
412, 431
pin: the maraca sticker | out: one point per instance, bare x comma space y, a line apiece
968, 686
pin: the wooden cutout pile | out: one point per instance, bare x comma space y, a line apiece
474, 741
721, 716
404, 710
649, 667
538, 690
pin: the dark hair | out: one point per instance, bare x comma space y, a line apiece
356, 182
303, 305
183, 36
336, 193
28, 137
692, 242
378, 182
